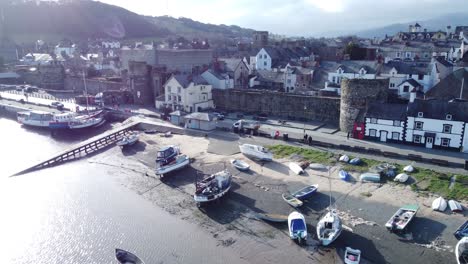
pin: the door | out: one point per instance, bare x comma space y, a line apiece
383, 136
429, 142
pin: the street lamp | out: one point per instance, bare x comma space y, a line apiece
305, 109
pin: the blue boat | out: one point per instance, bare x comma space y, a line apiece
355, 161
305, 192
344, 175
462, 231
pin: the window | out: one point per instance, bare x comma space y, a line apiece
417, 139
420, 114
410, 76
179, 98
392, 85
395, 136
372, 132
447, 129
420, 76
178, 89
408, 54
418, 125
373, 120
445, 142
264, 63
448, 117
406, 88
289, 81
398, 54
334, 79
397, 123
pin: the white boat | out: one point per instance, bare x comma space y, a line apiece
35, 118
180, 162
240, 165
256, 152
439, 204
213, 187
352, 256
291, 200
402, 177
403, 216
297, 227
295, 168
329, 228
455, 206
86, 122
129, 140
318, 166
408, 168
461, 251
125, 257
344, 158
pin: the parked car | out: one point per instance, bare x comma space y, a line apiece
218, 115
57, 105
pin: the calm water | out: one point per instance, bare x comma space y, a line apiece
76, 213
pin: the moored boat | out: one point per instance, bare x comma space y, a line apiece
125, 257
355, 161
401, 219
256, 152
240, 164
344, 158
344, 175
352, 256
462, 231
329, 228
35, 118
129, 140
439, 204
80, 123
297, 227
370, 177
291, 200
408, 168
295, 168
178, 163
212, 187
461, 251
455, 206
402, 177
305, 192
318, 166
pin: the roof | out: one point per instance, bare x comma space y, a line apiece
200, 116
411, 81
177, 113
387, 111
403, 67
219, 75
450, 87
186, 79
443, 61
371, 67
270, 76
231, 64
438, 109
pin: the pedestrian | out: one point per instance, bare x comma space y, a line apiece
310, 140
305, 138
347, 136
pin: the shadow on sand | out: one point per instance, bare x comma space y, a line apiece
368, 249
134, 149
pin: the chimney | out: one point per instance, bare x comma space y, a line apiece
425, 30
449, 30
412, 96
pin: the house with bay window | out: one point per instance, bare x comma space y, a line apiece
386, 122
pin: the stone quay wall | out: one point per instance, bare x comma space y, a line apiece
94, 86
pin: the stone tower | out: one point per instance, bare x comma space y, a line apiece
260, 39
355, 97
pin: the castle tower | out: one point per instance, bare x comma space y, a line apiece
260, 39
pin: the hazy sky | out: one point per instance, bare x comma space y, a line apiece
298, 17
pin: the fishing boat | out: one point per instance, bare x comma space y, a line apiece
297, 227
461, 251
35, 118
329, 228
455, 206
240, 165
291, 200
439, 204
355, 161
295, 168
80, 123
402, 177
370, 177
212, 187
61, 121
256, 152
167, 154
305, 192
403, 216
178, 163
462, 231
125, 257
352, 256
344, 158
408, 168
344, 175
275, 218
318, 166
129, 140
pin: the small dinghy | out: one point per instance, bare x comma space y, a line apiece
125, 257
439, 204
462, 231
344, 175
297, 227
385, 169
167, 134
352, 256
401, 219
291, 200
402, 177
355, 161
275, 218
240, 165
461, 251
129, 140
329, 228
408, 168
256, 152
344, 158
305, 192
212, 187
370, 177
151, 131
455, 206
295, 168
318, 166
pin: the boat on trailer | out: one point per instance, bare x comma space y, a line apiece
212, 187
305, 192
329, 228
256, 152
402, 217
297, 227
125, 257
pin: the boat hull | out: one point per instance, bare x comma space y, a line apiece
125, 257
253, 152
294, 167
306, 192
439, 204
455, 206
184, 162
209, 198
300, 233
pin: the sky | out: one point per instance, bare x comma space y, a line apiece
298, 17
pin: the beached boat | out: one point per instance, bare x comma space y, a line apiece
86, 122
61, 121
352, 256
35, 118
403, 216
318, 166
329, 228
297, 227
212, 187
256, 152
385, 169
455, 206
178, 163
291, 200
344, 158
305, 192
402, 177
167, 134
439, 204
408, 168
355, 161
151, 131
240, 164
129, 140
370, 177
462, 231
125, 257
167, 154
461, 251
295, 168
344, 175
275, 218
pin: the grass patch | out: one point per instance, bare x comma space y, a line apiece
316, 156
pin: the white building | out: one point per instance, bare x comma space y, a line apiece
189, 93
65, 46
218, 80
353, 70
399, 73
263, 60
386, 122
110, 44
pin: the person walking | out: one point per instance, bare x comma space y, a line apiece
305, 138
347, 136
310, 140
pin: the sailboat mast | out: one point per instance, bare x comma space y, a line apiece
86, 93
461, 88
329, 183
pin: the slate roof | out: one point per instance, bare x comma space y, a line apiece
200, 116
371, 67
407, 67
438, 109
186, 79
270, 76
387, 111
231, 64
443, 61
411, 81
449, 88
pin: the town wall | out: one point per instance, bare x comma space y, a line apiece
183, 60
94, 86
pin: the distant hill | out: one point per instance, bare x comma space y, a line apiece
438, 23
